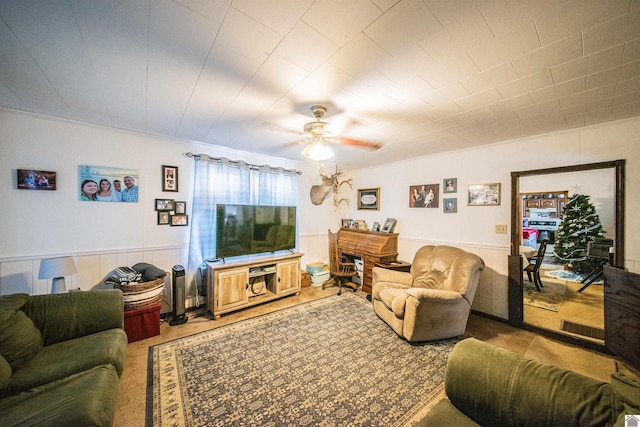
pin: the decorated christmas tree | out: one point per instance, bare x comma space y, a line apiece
580, 224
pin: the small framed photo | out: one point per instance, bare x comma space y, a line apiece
450, 205
169, 178
179, 220
29, 179
347, 223
181, 208
450, 185
369, 198
163, 218
165, 205
484, 194
375, 226
389, 225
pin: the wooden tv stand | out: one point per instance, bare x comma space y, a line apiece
237, 284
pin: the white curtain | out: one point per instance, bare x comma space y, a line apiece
222, 181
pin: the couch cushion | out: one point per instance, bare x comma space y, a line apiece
85, 399
66, 358
394, 300
19, 337
626, 396
5, 372
14, 301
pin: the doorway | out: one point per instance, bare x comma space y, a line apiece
605, 183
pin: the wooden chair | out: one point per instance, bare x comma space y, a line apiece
339, 267
533, 269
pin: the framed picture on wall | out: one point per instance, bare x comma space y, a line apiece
169, 178
165, 205
163, 218
450, 185
179, 220
424, 196
369, 198
108, 184
450, 205
181, 208
29, 179
484, 194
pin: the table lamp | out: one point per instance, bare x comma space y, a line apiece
56, 269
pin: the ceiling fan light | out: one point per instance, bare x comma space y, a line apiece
318, 151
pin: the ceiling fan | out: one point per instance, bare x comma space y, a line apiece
317, 138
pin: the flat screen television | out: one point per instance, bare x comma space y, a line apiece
251, 229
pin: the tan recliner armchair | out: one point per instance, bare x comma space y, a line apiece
434, 300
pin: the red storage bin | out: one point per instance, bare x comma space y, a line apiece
142, 323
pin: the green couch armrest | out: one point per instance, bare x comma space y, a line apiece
61, 317
495, 387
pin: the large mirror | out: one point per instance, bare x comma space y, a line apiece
552, 289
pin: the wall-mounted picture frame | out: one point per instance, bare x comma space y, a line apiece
165, 205
163, 218
450, 205
180, 208
169, 178
108, 184
424, 195
484, 194
450, 185
30, 179
389, 225
375, 226
369, 198
178, 220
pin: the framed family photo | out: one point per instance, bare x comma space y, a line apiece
165, 205
169, 178
108, 184
29, 179
179, 220
424, 196
484, 194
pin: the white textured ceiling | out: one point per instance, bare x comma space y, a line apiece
417, 76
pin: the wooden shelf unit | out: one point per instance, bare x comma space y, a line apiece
232, 286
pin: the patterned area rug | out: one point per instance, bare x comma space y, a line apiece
550, 298
328, 362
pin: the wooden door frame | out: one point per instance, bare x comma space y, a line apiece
515, 266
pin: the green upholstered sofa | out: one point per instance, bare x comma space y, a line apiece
489, 386
61, 357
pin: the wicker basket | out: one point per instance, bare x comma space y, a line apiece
136, 305
136, 288
140, 295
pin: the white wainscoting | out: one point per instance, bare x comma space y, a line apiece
20, 275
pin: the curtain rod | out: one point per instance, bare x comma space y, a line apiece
239, 163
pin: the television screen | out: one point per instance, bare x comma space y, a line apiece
250, 229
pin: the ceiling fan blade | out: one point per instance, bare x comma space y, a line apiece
359, 143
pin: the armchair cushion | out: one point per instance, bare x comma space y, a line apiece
5, 373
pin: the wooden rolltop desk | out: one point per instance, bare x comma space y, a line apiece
371, 246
